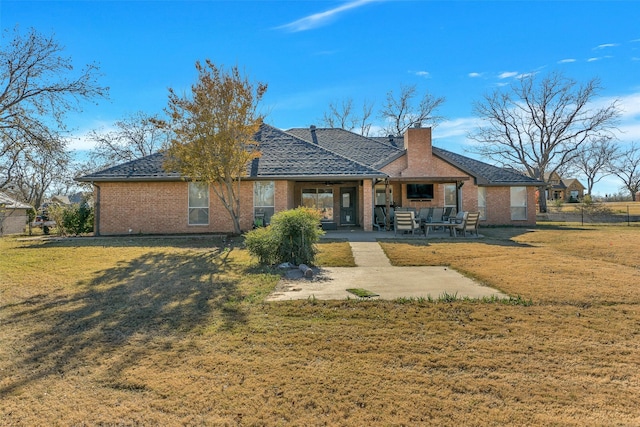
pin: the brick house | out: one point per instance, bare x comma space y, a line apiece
568, 190
342, 174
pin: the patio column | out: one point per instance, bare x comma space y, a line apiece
367, 204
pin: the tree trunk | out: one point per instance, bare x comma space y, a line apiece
542, 199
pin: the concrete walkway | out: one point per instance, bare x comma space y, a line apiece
375, 273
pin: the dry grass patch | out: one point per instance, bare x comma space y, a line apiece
335, 254
174, 332
568, 266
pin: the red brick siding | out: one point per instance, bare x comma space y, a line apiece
499, 206
162, 207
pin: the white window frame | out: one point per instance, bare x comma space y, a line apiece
447, 188
259, 205
518, 201
199, 203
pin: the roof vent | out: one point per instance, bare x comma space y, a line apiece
314, 137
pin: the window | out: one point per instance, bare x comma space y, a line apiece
380, 195
482, 202
450, 196
198, 203
264, 199
320, 199
518, 203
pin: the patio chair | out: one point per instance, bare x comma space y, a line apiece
425, 214
459, 223
258, 220
473, 221
448, 213
406, 221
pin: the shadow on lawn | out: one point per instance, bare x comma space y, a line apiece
139, 303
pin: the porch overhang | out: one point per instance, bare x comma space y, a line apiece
435, 179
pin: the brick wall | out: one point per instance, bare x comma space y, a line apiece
162, 207
499, 207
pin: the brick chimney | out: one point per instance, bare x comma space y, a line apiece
417, 142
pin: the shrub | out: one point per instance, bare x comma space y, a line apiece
72, 220
262, 243
291, 237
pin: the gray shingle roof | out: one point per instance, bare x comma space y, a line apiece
149, 168
283, 155
368, 151
484, 173
329, 154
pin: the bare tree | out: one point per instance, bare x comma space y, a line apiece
134, 137
36, 170
592, 160
342, 115
626, 166
537, 125
402, 112
38, 86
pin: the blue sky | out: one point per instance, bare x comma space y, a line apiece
314, 52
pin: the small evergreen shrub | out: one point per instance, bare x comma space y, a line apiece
291, 237
72, 220
262, 243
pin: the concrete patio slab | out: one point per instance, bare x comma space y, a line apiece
374, 273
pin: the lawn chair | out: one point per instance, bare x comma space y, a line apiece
473, 221
425, 214
406, 221
449, 212
459, 223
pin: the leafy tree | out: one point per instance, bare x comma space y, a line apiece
539, 124
401, 112
626, 166
213, 131
134, 137
38, 86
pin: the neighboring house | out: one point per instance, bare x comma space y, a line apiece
340, 173
13, 215
567, 190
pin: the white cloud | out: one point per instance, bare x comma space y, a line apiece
566, 61
593, 59
474, 75
424, 74
507, 74
605, 45
323, 18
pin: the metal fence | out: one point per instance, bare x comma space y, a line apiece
620, 215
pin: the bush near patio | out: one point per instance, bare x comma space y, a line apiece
291, 237
175, 331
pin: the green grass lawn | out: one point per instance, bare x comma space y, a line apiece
175, 331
